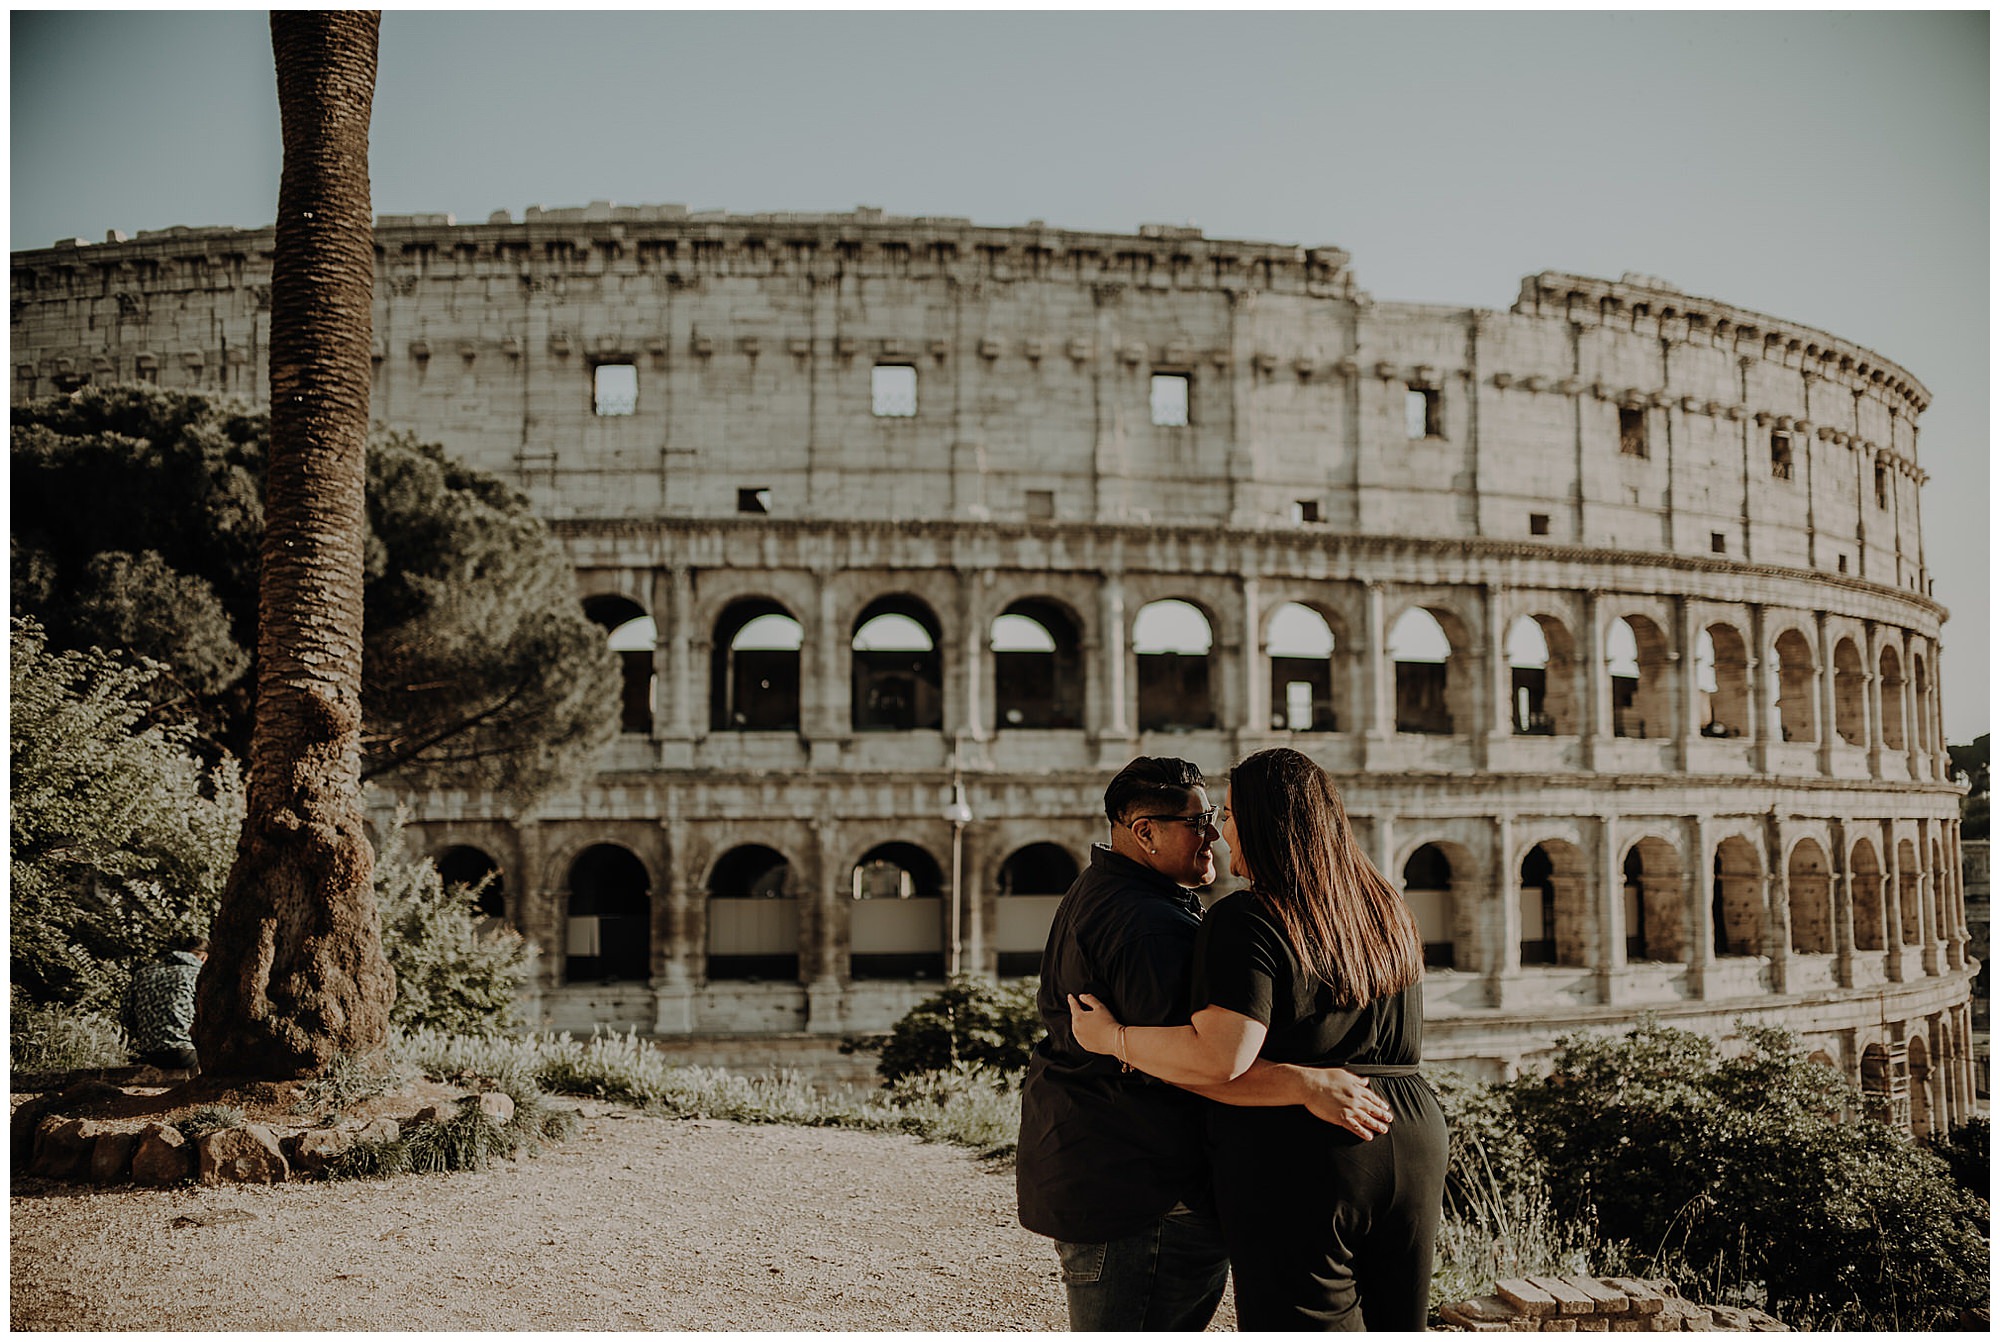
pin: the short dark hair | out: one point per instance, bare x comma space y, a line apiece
1151, 784
191, 944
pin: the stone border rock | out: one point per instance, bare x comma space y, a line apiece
1583, 1304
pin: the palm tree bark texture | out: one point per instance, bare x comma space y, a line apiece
296, 975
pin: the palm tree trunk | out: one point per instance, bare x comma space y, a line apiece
296, 975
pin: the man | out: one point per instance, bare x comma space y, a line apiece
159, 1006
1110, 1164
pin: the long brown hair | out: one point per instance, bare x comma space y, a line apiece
1344, 920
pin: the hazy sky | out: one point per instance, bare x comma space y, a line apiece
1828, 169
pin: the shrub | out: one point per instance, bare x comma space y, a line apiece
61, 1038
971, 1020
208, 1118
1968, 1152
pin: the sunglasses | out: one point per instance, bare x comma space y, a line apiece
1197, 822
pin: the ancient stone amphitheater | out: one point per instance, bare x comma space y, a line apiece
1608, 611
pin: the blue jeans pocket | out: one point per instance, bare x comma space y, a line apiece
1082, 1264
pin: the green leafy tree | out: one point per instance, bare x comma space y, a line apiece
1742, 1174
137, 520
121, 837
971, 1021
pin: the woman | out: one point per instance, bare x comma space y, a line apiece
1319, 962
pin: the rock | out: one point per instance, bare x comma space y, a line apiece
63, 1148
381, 1130
245, 1155
315, 1150
26, 1121
163, 1156
432, 1113
111, 1157
498, 1106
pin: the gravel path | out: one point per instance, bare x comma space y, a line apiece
635, 1222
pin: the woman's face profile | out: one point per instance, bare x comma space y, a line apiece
1237, 866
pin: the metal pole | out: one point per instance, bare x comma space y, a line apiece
957, 856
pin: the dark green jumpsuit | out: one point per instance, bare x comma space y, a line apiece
1325, 1231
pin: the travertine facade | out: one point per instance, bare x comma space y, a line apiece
1608, 611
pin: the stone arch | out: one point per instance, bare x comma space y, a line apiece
1427, 884
1299, 645
477, 870
1941, 920
1556, 917
896, 929
608, 934
1173, 641
1430, 700
753, 915
631, 633
1541, 660
898, 668
1808, 896
1737, 899
1850, 694
1030, 883
1884, 1089
754, 667
1655, 913
1638, 659
1038, 666
1907, 894
1865, 874
1723, 676
1796, 677
1919, 1056
1889, 698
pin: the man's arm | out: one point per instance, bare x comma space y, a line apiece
1333, 1094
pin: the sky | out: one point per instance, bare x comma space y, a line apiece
1828, 169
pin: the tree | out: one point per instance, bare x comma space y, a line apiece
136, 520
1971, 762
120, 837
296, 976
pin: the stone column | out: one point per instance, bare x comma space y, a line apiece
1842, 890
826, 707
1687, 630
1256, 715
1610, 904
977, 896
683, 685
1383, 841
1763, 695
1927, 901
1892, 904
680, 969
1499, 694
1954, 865
975, 711
1871, 694
1913, 730
1596, 699
826, 986
1113, 720
1778, 911
1379, 682
1700, 905
1829, 715
1501, 927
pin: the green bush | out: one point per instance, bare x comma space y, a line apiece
1740, 1177
61, 1038
971, 1020
1968, 1152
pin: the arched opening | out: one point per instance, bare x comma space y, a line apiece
1539, 660
1427, 890
897, 926
754, 668
632, 636
1889, 698
1920, 1088
1422, 657
1655, 921
1171, 640
1538, 908
1033, 881
1884, 1097
1941, 921
1636, 657
475, 870
753, 916
898, 675
1722, 673
1556, 917
1737, 908
1866, 871
610, 931
1300, 646
1037, 668
1920, 730
1850, 694
1795, 687
1907, 894
1808, 893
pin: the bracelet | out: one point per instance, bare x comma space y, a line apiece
1118, 1048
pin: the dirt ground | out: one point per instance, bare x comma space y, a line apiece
635, 1222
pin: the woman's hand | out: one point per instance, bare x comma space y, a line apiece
1095, 1028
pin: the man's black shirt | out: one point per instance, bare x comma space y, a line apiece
1105, 1151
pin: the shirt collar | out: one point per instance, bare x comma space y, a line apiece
1114, 863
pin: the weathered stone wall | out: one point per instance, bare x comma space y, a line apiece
1751, 820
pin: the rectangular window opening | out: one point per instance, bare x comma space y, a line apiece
895, 390
1718, 543
1881, 486
1305, 511
1781, 456
1538, 524
1842, 563
1039, 504
1170, 400
753, 500
1423, 412
1632, 431
615, 389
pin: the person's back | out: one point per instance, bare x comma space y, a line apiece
159, 1007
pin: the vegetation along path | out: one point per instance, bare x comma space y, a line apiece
635, 1222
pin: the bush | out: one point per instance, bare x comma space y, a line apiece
971, 1020
452, 975
61, 1038
1968, 1153
1738, 1176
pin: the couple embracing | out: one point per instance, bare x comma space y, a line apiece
1235, 1090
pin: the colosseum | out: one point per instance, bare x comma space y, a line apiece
1608, 611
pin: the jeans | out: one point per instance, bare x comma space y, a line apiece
1167, 1278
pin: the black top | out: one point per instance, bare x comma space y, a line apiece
1105, 1151
1242, 961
